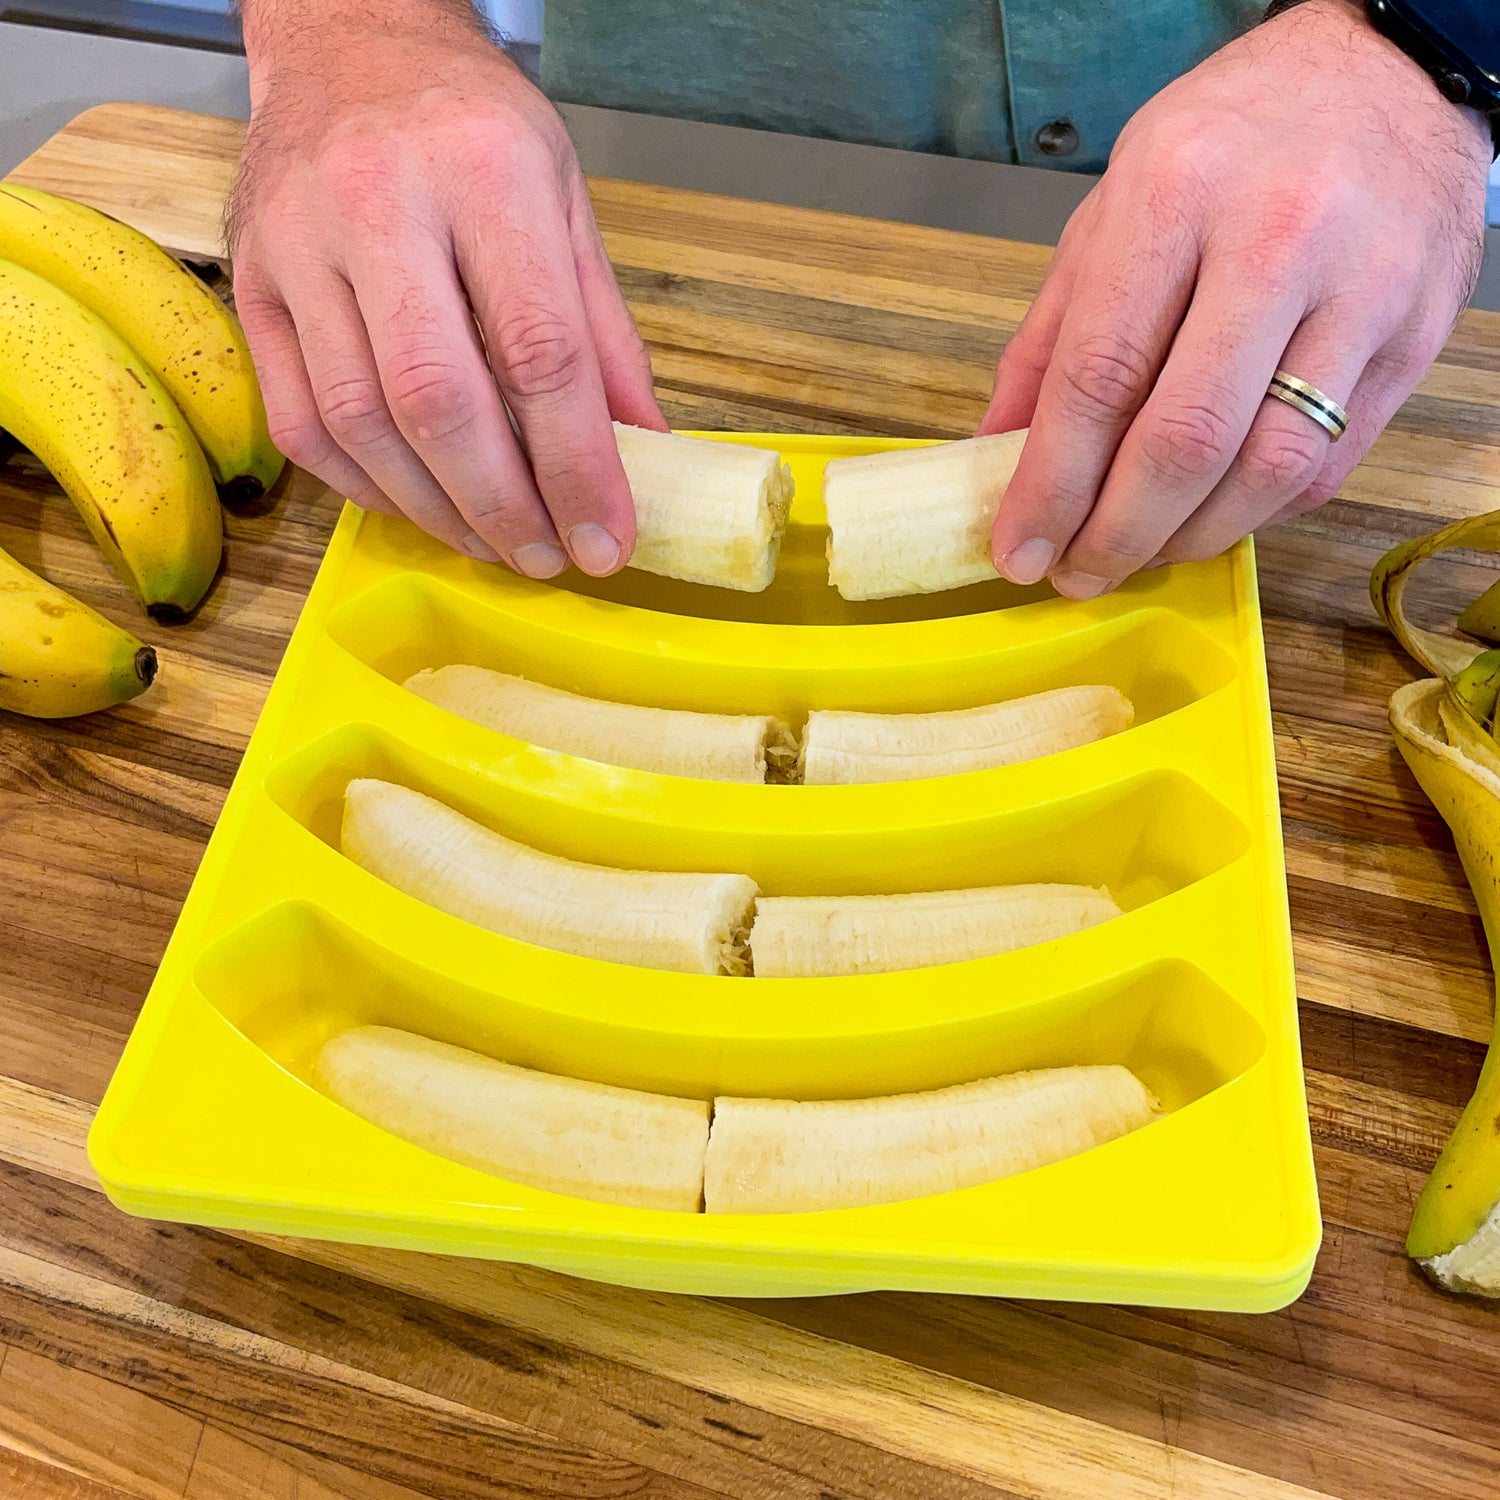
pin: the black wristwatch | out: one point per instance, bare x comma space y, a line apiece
1456, 42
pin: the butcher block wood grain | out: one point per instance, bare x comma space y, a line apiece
141, 1359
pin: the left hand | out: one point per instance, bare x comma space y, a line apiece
1304, 200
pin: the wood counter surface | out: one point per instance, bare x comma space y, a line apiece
156, 1360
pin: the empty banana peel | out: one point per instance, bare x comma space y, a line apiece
1443, 727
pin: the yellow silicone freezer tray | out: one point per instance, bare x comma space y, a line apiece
211, 1119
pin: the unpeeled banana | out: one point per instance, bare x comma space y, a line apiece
1447, 740
644, 1150
706, 512
57, 656
693, 924
673, 742
565, 1135
840, 747
91, 410
917, 520
817, 936
783, 1156
190, 340
689, 923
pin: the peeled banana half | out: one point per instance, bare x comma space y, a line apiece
1444, 727
673, 742
705, 512
692, 924
917, 520
93, 412
58, 657
189, 339
840, 747
688, 923
646, 1150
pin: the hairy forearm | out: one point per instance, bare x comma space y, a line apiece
307, 34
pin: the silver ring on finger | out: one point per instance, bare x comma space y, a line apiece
1307, 398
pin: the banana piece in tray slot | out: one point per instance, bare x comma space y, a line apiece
673, 742
839, 748
821, 936
705, 512
783, 1156
688, 923
916, 520
566, 1135
644, 1150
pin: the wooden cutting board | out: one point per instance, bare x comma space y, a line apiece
150, 1360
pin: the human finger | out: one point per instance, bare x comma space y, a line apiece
292, 415
1111, 343
443, 401
1201, 412
1287, 452
523, 284
351, 403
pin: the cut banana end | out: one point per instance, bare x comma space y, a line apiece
705, 512
817, 936
687, 923
673, 742
917, 520
778, 1156
1472, 1267
590, 1140
840, 748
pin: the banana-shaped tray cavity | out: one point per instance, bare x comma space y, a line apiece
687, 923
735, 1156
1445, 728
836, 748
794, 965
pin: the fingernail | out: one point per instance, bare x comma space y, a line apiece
596, 550
479, 549
1156, 562
1081, 585
1029, 562
539, 560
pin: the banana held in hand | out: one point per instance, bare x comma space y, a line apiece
692, 924
713, 747
839, 748
57, 656
706, 512
192, 342
1440, 730
609, 1144
917, 520
84, 402
813, 936
780, 1156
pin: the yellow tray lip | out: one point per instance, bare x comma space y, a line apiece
1257, 1285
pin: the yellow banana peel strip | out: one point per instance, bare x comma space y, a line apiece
1442, 655
1455, 1231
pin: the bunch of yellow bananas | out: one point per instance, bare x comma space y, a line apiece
132, 382
1445, 727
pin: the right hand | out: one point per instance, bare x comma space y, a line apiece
405, 189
